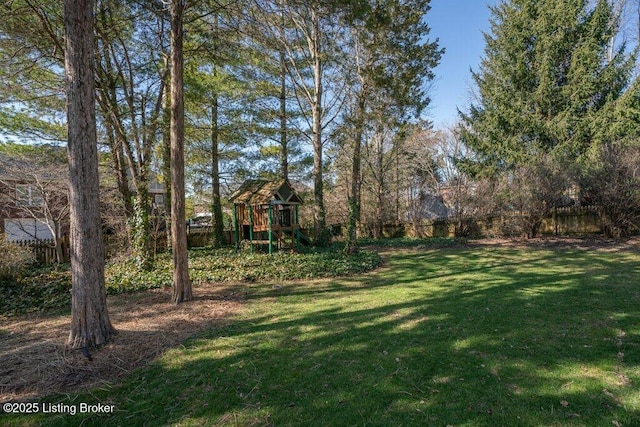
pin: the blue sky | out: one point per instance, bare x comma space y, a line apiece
459, 25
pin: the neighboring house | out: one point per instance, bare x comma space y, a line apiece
157, 193
33, 197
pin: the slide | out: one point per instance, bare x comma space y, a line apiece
303, 239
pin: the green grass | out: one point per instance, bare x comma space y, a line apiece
450, 336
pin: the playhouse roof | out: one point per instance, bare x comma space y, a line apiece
263, 192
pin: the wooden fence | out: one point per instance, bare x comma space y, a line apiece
45, 250
563, 221
569, 221
576, 220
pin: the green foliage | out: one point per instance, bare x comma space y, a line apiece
140, 231
550, 91
14, 259
32, 70
224, 265
41, 289
38, 289
400, 56
545, 78
127, 276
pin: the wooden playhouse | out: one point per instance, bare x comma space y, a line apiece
266, 212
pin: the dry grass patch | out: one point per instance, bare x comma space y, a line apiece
35, 362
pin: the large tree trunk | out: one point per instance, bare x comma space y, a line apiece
90, 325
181, 282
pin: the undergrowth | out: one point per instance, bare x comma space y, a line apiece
45, 288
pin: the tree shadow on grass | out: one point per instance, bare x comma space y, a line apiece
445, 337
34, 360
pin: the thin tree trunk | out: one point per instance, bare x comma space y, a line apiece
120, 168
217, 220
90, 324
354, 199
284, 150
377, 230
166, 163
216, 203
318, 184
181, 282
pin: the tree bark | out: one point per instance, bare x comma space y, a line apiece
318, 182
181, 282
354, 199
217, 220
90, 324
284, 149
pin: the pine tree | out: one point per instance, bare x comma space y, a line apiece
214, 104
393, 59
182, 290
544, 77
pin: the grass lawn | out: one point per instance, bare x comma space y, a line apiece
454, 336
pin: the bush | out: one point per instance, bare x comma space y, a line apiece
14, 259
612, 182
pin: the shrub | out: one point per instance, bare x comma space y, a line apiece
612, 182
14, 259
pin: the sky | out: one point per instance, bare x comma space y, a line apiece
459, 25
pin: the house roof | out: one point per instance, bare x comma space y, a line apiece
263, 192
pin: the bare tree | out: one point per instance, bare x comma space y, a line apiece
38, 191
181, 282
90, 324
612, 184
533, 190
132, 68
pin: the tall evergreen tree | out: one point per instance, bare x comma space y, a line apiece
544, 78
274, 108
213, 101
32, 63
547, 74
